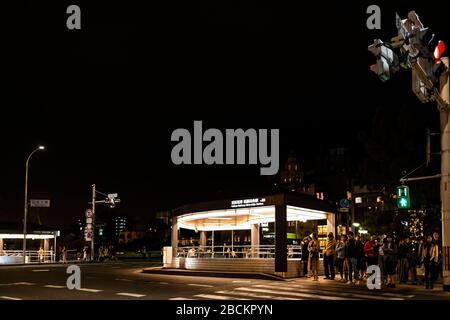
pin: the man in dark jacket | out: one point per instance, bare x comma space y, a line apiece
305, 256
352, 254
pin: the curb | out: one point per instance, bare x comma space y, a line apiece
221, 274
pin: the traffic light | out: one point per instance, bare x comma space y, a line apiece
387, 61
403, 200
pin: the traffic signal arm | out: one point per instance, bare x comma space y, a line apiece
442, 104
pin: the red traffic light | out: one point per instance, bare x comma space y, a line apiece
438, 51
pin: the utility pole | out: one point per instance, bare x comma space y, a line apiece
430, 83
445, 174
93, 223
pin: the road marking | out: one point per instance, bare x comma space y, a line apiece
54, 286
90, 290
128, 280
217, 297
294, 294
324, 293
398, 295
163, 283
23, 284
200, 285
180, 298
241, 281
9, 298
253, 295
41, 270
134, 295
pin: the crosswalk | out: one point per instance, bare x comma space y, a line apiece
241, 290
295, 291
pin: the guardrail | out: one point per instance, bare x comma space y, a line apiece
31, 256
238, 251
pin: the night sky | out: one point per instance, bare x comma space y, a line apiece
105, 99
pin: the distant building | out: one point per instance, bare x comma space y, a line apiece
130, 236
292, 178
120, 224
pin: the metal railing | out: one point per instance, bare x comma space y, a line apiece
238, 251
31, 256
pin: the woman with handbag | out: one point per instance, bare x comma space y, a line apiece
313, 248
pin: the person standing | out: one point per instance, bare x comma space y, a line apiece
352, 259
314, 248
403, 267
390, 251
340, 261
430, 256
438, 271
328, 257
305, 256
361, 262
64, 255
371, 251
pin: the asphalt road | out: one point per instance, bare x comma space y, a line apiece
122, 280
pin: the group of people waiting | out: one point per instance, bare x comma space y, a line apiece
399, 261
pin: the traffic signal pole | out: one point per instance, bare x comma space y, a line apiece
93, 223
445, 174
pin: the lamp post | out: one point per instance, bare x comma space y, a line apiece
25, 211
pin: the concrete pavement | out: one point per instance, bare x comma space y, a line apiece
125, 280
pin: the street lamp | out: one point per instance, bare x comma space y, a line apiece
25, 211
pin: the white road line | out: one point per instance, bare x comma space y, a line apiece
241, 281
200, 285
90, 290
128, 280
217, 297
23, 284
9, 298
180, 298
253, 295
398, 295
41, 270
54, 286
323, 293
163, 282
134, 295
293, 294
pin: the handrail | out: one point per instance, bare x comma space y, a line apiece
236, 251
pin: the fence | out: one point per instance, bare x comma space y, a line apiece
31, 256
238, 251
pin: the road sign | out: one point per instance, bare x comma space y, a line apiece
39, 203
88, 236
112, 195
344, 203
89, 213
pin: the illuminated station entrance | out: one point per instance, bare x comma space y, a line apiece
258, 234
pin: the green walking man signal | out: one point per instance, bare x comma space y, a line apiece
403, 200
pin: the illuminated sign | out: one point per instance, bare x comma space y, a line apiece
248, 203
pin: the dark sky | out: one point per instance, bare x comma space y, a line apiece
105, 99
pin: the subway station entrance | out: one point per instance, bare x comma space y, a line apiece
247, 234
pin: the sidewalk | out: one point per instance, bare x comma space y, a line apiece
221, 274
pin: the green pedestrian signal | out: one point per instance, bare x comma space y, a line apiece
403, 200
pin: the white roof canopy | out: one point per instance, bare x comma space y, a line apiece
243, 218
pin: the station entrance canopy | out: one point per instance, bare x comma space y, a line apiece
243, 218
